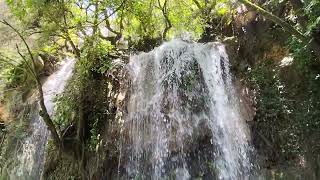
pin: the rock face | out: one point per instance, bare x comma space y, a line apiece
181, 117
31, 156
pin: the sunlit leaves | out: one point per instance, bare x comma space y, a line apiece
133, 18
222, 8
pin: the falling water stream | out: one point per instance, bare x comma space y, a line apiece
31, 159
182, 117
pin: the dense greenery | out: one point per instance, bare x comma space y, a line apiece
96, 32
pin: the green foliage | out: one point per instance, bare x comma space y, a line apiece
287, 98
94, 136
60, 21
287, 111
94, 57
302, 54
65, 108
312, 10
274, 109
268, 86
55, 21
94, 60
15, 75
144, 18
186, 18
18, 76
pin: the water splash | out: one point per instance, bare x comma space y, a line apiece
31, 158
183, 119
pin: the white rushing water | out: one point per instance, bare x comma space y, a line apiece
182, 117
31, 159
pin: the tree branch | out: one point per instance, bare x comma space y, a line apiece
197, 4
106, 16
165, 12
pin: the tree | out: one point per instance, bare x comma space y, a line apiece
32, 67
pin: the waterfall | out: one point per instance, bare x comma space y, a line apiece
31, 159
182, 118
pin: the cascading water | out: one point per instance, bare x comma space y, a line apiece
31, 159
182, 119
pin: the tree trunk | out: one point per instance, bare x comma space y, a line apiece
168, 24
74, 48
67, 35
46, 117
